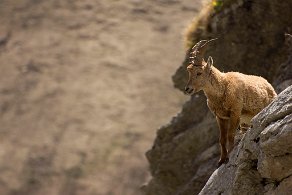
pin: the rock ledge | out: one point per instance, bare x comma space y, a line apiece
262, 161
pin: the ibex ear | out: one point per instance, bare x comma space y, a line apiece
209, 62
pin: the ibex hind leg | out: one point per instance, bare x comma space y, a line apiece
221, 162
245, 123
244, 127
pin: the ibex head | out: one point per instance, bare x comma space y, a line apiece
198, 68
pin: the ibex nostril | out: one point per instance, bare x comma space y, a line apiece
186, 88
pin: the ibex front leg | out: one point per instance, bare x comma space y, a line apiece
223, 126
233, 125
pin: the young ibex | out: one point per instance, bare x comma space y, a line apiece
234, 98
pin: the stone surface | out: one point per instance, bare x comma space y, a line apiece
175, 157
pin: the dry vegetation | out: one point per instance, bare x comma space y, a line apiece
84, 85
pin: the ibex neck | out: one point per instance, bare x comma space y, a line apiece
215, 87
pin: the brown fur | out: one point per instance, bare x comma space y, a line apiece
233, 97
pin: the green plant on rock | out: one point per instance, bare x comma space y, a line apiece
217, 4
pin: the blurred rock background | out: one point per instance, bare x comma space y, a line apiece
83, 86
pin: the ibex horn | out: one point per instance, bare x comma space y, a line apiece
198, 51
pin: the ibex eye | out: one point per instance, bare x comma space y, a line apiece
198, 74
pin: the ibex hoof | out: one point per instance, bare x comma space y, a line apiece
222, 161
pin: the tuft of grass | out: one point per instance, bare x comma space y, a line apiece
198, 26
217, 4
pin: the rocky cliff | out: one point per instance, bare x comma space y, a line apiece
262, 161
185, 151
